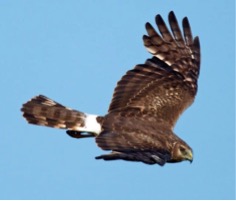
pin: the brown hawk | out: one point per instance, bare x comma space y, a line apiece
146, 103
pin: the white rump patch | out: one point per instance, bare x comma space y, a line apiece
90, 124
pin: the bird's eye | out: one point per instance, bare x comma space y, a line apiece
182, 149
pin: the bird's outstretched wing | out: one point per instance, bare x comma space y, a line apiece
167, 83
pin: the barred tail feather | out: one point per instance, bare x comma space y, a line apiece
43, 111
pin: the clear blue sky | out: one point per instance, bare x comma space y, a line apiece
75, 52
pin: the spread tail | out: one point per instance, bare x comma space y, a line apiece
43, 111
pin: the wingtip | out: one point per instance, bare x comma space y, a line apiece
185, 20
196, 42
159, 19
148, 26
145, 37
186, 24
171, 14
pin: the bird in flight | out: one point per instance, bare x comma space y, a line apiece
146, 103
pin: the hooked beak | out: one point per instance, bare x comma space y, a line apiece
189, 156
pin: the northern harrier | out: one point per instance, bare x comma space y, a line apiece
146, 103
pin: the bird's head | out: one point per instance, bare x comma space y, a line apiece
181, 152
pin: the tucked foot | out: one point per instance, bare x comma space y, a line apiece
77, 134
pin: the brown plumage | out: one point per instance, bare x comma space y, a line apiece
43, 111
146, 103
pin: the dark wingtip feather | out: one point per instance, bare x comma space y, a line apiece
171, 14
159, 20
196, 42
163, 28
145, 37
187, 31
197, 51
174, 25
147, 25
